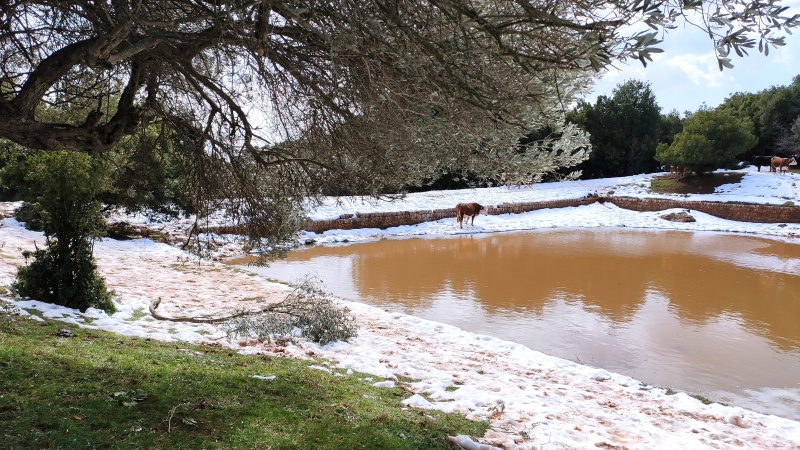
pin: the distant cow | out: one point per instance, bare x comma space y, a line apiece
466, 210
505, 179
759, 161
782, 164
678, 171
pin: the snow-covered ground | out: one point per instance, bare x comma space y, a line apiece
532, 400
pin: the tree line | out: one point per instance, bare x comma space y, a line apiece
630, 135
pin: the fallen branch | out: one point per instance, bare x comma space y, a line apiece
273, 308
155, 303
305, 308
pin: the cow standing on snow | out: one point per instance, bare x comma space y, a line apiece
782, 164
466, 210
759, 161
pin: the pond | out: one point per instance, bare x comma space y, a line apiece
715, 315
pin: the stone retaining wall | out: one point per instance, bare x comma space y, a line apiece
378, 220
731, 211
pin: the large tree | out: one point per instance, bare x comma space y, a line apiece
711, 139
277, 101
780, 110
625, 129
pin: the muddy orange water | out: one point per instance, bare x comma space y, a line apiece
712, 314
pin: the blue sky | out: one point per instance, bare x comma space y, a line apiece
686, 75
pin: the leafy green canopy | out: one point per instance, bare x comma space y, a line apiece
625, 129
710, 139
274, 102
776, 116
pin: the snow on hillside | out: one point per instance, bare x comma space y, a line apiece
533, 401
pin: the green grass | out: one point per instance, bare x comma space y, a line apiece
693, 184
136, 315
703, 400
100, 390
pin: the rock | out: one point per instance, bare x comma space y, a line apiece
682, 216
65, 333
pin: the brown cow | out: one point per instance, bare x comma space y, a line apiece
781, 165
466, 210
678, 171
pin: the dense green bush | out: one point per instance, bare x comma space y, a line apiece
73, 283
710, 140
28, 214
64, 272
148, 176
13, 167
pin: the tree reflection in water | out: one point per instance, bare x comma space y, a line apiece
707, 313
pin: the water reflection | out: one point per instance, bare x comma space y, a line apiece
702, 312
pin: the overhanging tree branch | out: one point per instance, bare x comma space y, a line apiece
276, 101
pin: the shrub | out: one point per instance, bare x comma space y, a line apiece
9, 314
64, 272
73, 283
28, 214
710, 139
13, 167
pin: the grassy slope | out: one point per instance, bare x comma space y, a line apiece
100, 390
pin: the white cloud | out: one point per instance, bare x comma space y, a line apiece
686, 75
700, 70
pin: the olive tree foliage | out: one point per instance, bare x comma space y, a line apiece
711, 139
275, 102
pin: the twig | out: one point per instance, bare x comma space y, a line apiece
275, 307
171, 414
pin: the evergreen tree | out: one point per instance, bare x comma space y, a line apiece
773, 112
624, 130
64, 271
711, 139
